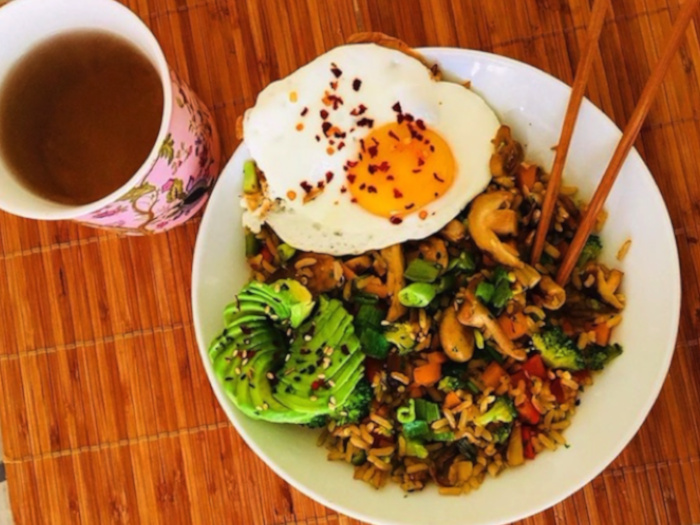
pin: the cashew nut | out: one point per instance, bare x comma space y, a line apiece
487, 218
608, 287
457, 340
555, 296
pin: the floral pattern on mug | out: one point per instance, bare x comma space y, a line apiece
181, 179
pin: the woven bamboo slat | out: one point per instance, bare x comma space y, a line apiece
106, 412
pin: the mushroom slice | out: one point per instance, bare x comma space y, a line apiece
487, 218
456, 339
555, 296
608, 286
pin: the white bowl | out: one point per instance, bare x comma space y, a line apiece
533, 104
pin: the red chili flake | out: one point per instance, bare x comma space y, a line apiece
353, 200
432, 148
326, 127
318, 139
397, 107
317, 384
408, 117
336, 101
364, 121
393, 135
334, 85
359, 156
362, 146
399, 118
356, 84
341, 146
321, 185
437, 178
363, 186
397, 194
418, 137
351, 177
384, 166
343, 189
426, 141
420, 124
324, 114
371, 189
352, 163
306, 186
423, 214
417, 170
372, 168
390, 177
373, 151
421, 162
395, 220
359, 110
436, 194
336, 71
329, 176
331, 142
410, 206
304, 112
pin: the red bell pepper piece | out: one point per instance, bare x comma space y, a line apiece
528, 413
557, 390
528, 448
535, 367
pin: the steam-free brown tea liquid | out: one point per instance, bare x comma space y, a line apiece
79, 115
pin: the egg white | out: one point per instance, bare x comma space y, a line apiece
331, 223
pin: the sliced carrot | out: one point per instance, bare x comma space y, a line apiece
602, 334
535, 367
492, 375
427, 375
415, 391
452, 400
437, 357
526, 176
514, 325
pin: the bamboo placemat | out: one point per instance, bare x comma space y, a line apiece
106, 412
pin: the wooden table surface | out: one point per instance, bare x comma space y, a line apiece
106, 412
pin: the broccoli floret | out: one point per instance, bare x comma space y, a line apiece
449, 384
502, 410
401, 335
591, 250
558, 350
502, 433
357, 406
318, 421
597, 357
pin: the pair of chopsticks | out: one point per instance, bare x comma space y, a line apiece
624, 146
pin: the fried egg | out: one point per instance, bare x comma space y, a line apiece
362, 149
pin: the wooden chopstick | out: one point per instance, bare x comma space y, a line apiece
627, 141
577, 91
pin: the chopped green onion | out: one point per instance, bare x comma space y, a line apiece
443, 436
373, 343
417, 295
251, 184
472, 386
464, 263
364, 298
416, 430
369, 316
501, 294
407, 414
485, 291
422, 271
416, 450
252, 244
285, 252
427, 411
446, 283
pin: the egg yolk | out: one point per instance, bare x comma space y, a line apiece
400, 169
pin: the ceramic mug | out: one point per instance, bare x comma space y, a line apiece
175, 181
